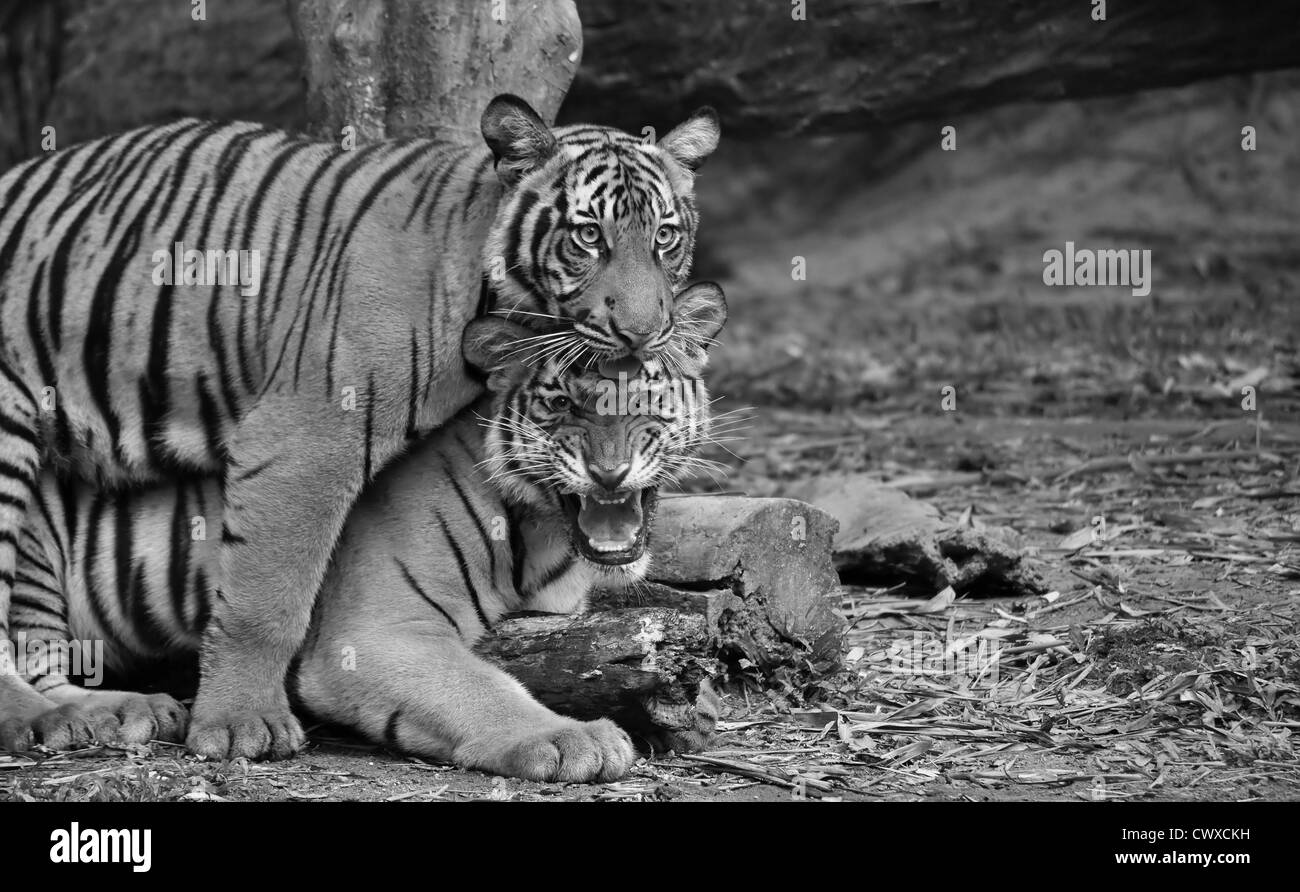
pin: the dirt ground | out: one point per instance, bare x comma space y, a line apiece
1176, 673
1204, 578
1164, 663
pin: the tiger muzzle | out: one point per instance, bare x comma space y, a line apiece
638, 299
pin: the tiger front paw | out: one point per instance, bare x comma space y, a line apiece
145, 717
570, 752
67, 727
16, 736
269, 733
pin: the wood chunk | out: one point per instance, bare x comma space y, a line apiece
758, 570
648, 668
886, 537
774, 555
732, 579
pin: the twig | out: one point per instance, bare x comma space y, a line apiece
748, 769
1117, 463
436, 793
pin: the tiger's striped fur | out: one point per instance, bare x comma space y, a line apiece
440, 545
297, 395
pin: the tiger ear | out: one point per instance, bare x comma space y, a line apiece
699, 313
519, 139
693, 140
491, 344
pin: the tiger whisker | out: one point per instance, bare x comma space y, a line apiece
716, 476
539, 351
518, 312
572, 357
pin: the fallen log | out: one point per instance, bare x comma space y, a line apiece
739, 587
745, 587
759, 569
887, 538
648, 668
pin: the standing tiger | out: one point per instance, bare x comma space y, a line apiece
368, 264
525, 500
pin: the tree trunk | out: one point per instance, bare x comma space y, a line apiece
393, 68
31, 56
857, 64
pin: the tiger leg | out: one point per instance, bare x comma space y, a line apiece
422, 691
74, 716
285, 501
20, 704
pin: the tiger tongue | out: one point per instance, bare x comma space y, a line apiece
611, 525
626, 365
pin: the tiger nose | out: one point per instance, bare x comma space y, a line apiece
635, 339
609, 478
633, 334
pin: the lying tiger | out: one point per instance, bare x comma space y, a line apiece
441, 544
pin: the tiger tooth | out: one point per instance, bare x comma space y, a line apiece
615, 499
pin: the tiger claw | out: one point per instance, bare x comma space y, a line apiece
268, 734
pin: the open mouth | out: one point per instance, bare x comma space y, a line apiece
610, 527
612, 366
